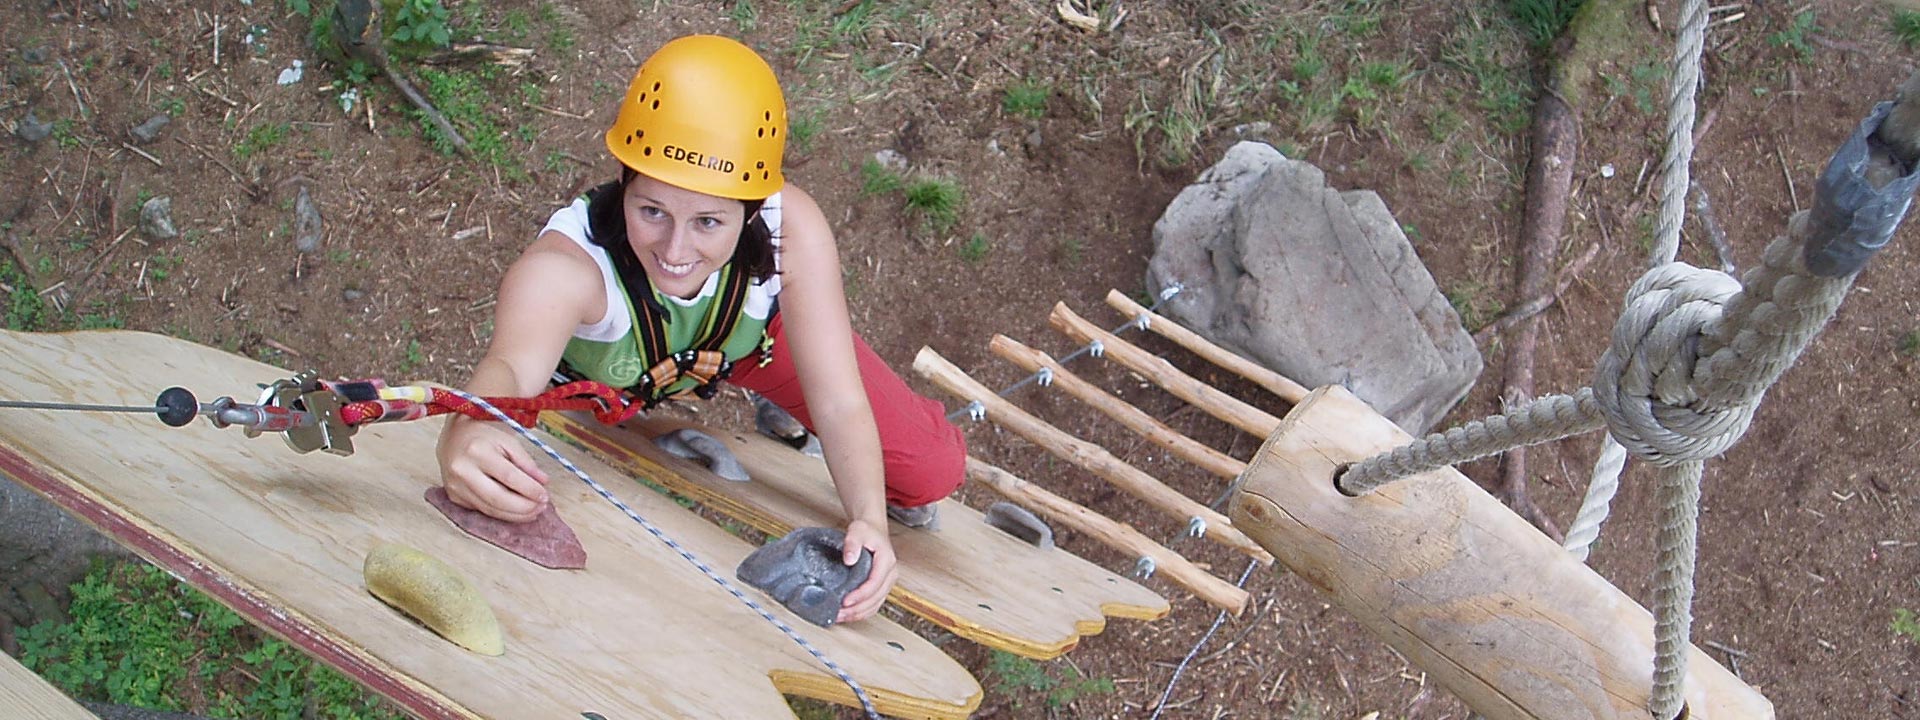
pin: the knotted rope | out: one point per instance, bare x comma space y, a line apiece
1691, 358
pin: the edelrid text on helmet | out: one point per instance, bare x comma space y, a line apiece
704, 113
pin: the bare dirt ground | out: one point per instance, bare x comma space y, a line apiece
1809, 545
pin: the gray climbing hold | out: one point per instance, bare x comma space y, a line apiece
804, 572
695, 445
775, 422
1018, 522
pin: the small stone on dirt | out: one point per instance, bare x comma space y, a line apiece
33, 129
156, 219
307, 224
34, 55
891, 159
352, 295
149, 131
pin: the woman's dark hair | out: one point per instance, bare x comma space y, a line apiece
607, 224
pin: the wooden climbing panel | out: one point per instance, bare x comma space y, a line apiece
25, 696
281, 537
967, 577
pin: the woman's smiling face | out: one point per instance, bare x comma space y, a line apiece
680, 236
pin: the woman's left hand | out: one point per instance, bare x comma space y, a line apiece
865, 600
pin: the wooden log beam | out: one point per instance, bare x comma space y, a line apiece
1494, 610
1160, 372
1091, 457
1121, 411
1280, 385
1120, 536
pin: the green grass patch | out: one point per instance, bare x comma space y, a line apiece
936, 201
138, 637
1909, 344
1793, 37
1474, 303
804, 128
976, 248
463, 97
261, 138
25, 309
1905, 624
1490, 53
878, 179
1541, 21
1905, 25
1023, 679
1026, 98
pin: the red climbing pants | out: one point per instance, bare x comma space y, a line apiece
925, 456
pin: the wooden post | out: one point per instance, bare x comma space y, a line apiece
1218, 593
1163, 373
1087, 455
1134, 418
1274, 382
1464, 588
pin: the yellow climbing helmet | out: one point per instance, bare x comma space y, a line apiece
704, 113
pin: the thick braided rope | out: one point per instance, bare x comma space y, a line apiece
1679, 497
1675, 172
1676, 177
859, 692
1767, 327
1601, 487
1545, 419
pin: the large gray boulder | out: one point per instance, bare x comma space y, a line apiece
1317, 284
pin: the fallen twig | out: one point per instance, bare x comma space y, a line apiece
71, 86
1703, 209
143, 153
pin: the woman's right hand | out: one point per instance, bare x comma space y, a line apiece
486, 468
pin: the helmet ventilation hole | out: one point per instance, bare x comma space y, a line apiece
643, 97
768, 115
746, 176
763, 174
760, 165
647, 151
762, 132
656, 86
776, 131
656, 104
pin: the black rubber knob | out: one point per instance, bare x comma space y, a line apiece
176, 406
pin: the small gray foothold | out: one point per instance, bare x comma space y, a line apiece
308, 227
1020, 523
695, 445
352, 295
149, 131
156, 219
775, 422
33, 129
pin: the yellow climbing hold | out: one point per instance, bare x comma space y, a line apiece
435, 594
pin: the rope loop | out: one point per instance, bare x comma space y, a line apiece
1647, 383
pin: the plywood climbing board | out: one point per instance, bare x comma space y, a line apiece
24, 695
281, 538
968, 577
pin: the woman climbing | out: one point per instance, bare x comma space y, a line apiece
701, 264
